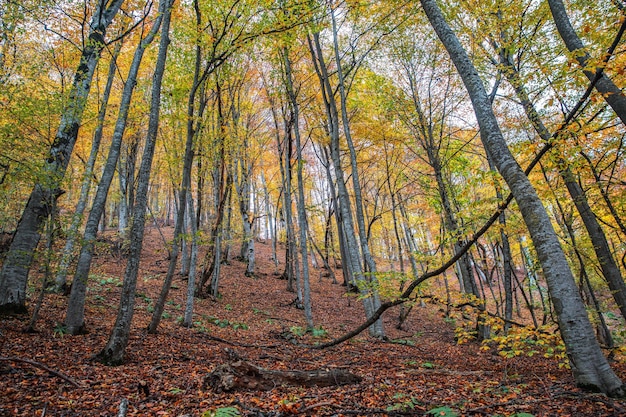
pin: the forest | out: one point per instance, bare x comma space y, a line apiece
312, 207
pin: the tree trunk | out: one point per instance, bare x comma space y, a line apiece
18, 260
300, 203
77, 217
186, 213
241, 374
191, 279
590, 367
353, 255
611, 93
113, 352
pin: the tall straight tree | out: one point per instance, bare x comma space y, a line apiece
609, 267
74, 319
16, 266
294, 109
113, 352
591, 369
370, 302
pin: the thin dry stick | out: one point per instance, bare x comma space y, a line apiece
41, 366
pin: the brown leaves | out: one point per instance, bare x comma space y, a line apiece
164, 372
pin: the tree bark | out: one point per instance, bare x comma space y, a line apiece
77, 217
611, 93
352, 247
300, 203
241, 374
608, 265
590, 367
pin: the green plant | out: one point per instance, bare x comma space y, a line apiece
237, 326
403, 403
259, 311
443, 412
318, 332
59, 330
228, 307
406, 342
222, 412
298, 331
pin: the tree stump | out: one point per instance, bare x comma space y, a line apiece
241, 374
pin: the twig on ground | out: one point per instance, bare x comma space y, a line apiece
41, 366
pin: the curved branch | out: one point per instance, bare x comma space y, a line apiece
41, 366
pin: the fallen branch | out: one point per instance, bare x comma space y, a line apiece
241, 374
41, 366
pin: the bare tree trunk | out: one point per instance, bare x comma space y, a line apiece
300, 203
611, 93
191, 279
368, 291
608, 265
113, 352
77, 217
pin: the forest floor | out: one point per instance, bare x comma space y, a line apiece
424, 369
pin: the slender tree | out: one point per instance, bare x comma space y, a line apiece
113, 352
611, 93
77, 217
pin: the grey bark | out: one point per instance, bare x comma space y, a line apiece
591, 369
113, 352
77, 217
191, 279
185, 213
74, 319
348, 277
126, 175
424, 132
18, 260
300, 202
611, 93
358, 199
353, 256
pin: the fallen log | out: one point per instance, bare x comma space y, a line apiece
241, 374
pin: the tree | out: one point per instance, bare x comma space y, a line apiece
77, 218
590, 367
370, 302
113, 352
15, 269
300, 203
611, 93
